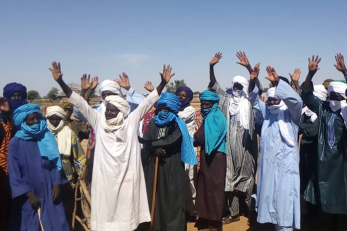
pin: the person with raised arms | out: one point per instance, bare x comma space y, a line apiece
119, 198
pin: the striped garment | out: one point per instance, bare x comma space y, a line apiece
4, 146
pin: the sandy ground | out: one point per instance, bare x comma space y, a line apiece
237, 226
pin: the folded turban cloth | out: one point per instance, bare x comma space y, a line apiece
215, 124
239, 102
320, 92
63, 132
338, 87
241, 80
109, 85
279, 110
11, 88
189, 92
66, 106
173, 103
122, 105
38, 132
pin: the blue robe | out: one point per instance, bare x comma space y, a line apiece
28, 171
278, 186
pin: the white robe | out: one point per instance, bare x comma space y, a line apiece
119, 197
188, 116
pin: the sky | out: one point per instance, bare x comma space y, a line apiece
106, 38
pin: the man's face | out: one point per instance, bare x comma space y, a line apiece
111, 111
32, 119
55, 120
206, 104
182, 95
164, 108
273, 101
16, 96
104, 94
237, 86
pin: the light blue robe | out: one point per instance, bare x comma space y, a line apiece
278, 185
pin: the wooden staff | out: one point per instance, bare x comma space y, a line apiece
39, 213
154, 191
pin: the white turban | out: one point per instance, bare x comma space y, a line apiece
61, 131
337, 87
241, 80
122, 105
109, 85
271, 92
320, 92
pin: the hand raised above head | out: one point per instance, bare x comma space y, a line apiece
216, 59
255, 72
56, 71
95, 82
273, 77
296, 75
313, 64
340, 62
85, 82
148, 86
166, 75
124, 81
243, 58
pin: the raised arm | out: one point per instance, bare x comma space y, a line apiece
148, 102
307, 96
295, 79
340, 64
254, 99
94, 84
85, 84
132, 97
213, 62
82, 105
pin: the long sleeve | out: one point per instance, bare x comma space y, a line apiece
291, 98
87, 111
137, 115
258, 105
134, 99
223, 102
312, 102
18, 185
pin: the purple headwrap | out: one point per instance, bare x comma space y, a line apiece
189, 92
11, 88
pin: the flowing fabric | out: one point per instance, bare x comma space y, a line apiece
11, 88
215, 125
189, 92
63, 132
109, 85
320, 92
279, 111
239, 101
337, 87
313, 116
39, 132
172, 102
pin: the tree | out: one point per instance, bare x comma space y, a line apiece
33, 95
172, 86
52, 94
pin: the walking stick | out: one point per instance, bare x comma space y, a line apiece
154, 191
39, 213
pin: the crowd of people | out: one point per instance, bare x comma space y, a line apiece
154, 162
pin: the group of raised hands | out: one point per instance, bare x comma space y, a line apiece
272, 75
88, 84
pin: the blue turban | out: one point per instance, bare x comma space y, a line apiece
215, 124
172, 102
38, 132
189, 92
11, 88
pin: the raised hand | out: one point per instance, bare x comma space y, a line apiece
255, 71
56, 71
273, 77
216, 59
166, 75
95, 82
313, 64
340, 62
85, 82
123, 81
148, 86
296, 75
243, 59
